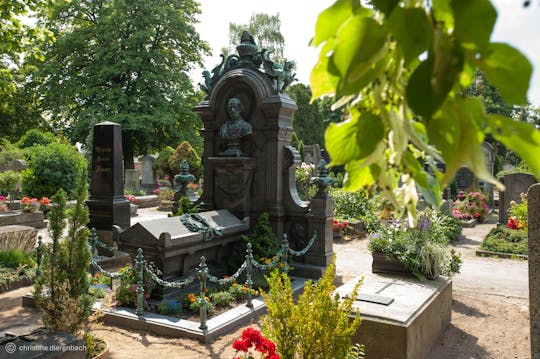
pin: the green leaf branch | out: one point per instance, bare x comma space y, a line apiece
400, 70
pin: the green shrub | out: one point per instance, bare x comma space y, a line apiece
161, 164
355, 205
506, 240
318, 326
14, 258
196, 305
52, 167
263, 243
10, 182
442, 225
35, 137
184, 151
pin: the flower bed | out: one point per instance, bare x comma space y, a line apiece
471, 205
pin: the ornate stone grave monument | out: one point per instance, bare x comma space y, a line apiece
249, 164
107, 204
516, 184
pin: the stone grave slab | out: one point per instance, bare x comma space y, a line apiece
402, 317
18, 237
175, 249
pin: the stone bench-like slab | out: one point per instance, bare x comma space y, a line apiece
32, 219
147, 201
18, 237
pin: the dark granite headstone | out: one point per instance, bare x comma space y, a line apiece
516, 184
107, 204
533, 210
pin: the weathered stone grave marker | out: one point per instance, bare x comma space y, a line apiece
533, 210
148, 175
516, 184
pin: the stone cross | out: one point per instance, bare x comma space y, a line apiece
533, 211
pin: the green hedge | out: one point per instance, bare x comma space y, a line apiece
505, 240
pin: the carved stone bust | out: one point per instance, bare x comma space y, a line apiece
236, 127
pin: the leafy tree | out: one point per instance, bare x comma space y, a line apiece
184, 151
19, 110
125, 61
308, 121
265, 28
401, 69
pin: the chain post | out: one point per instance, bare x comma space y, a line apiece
93, 242
202, 273
139, 268
39, 254
249, 270
285, 248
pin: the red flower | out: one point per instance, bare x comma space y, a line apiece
241, 345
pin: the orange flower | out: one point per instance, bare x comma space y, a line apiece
191, 297
26, 200
44, 201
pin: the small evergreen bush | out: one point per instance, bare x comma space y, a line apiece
184, 151
61, 292
319, 325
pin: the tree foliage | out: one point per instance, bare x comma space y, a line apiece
265, 28
126, 62
20, 41
401, 69
308, 121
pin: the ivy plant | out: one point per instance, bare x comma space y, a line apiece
400, 70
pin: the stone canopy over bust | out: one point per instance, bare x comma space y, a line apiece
236, 127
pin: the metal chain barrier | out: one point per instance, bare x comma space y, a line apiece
141, 267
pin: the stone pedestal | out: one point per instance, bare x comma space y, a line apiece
401, 318
107, 205
533, 201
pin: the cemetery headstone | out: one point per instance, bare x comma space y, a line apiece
533, 210
516, 184
107, 204
132, 181
148, 175
312, 154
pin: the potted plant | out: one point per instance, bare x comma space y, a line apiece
421, 251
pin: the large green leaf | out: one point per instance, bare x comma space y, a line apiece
508, 70
442, 12
359, 176
455, 132
521, 138
323, 82
433, 79
411, 28
359, 44
353, 139
474, 21
329, 21
385, 6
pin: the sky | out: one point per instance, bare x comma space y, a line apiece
515, 26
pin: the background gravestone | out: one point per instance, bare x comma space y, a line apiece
132, 182
533, 220
107, 204
148, 175
516, 184
312, 154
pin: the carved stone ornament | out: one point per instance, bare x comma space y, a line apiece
250, 56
